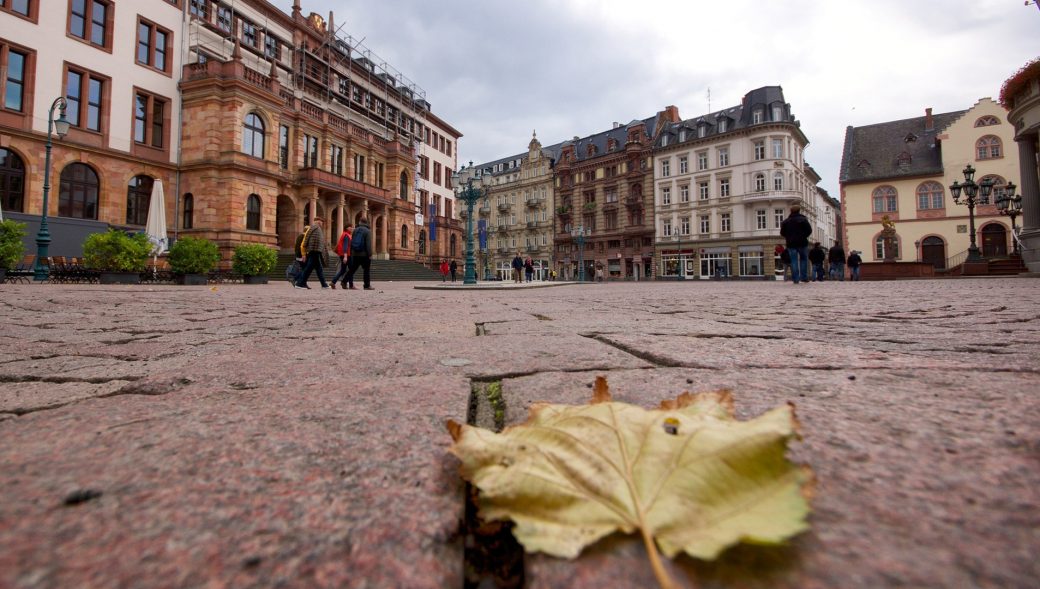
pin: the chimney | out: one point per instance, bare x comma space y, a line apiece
929, 124
671, 114
616, 124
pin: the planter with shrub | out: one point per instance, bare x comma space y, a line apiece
119, 256
192, 258
11, 246
254, 261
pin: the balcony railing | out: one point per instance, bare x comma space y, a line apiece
772, 195
503, 207
341, 183
532, 224
532, 202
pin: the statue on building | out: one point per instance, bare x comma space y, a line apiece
888, 238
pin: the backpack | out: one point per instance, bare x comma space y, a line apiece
293, 271
357, 243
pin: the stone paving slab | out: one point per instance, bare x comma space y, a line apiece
218, 422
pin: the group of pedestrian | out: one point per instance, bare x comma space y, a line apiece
523, 269
447, 268
354, 248
796, 230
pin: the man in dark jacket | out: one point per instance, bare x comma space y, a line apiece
317, 251
854, 262
816, 257
518, 268
360, 255
796, 231
836, 257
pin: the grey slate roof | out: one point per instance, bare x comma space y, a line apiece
894, 149
737, 117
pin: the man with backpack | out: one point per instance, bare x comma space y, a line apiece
317, 253
360, 255
796, 230
343, 251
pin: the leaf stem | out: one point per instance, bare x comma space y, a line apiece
663, 579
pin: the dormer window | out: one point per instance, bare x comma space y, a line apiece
722, 125
756, 117
778, 112
702, 130
590, 150
611, 144
904, 159
910, 138
682, 135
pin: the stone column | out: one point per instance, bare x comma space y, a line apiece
339, 212
1030, 191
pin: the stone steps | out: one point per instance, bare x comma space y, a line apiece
382, 270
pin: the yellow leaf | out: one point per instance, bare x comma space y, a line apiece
687, 475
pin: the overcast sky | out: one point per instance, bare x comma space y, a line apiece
498, 69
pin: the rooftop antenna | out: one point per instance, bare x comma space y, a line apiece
709, 98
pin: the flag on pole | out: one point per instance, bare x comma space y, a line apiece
433, 222
482, 233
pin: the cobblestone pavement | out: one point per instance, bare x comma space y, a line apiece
269, 437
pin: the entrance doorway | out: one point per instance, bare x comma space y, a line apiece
994, 241
933, 252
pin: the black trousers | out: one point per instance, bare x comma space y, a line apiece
365, 263
313, 263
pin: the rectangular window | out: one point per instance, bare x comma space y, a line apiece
702, 190
310, 151
380, 173
778, 112
725, 223
778, 148
778, 218
684, 225
436, 173
359, 167
224, 19
760, 218
200, 9
702, 160
760, 150
705, 224
684, 193
153, 43
750, 263
283, 146
89, 20
336, 160
21, 7
666, 228
666, 168
149, 119
84, 92
756, 117
723, 156
248, 34
724, 188
666, 195
273, 49
13, 63
611, 220
684, 164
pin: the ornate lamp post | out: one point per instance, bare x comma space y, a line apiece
469, 188
579, 234
974, 194
43, 237
1010, 205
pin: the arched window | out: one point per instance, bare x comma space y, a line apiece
78, 194
879, 247
885, 199
253, 136
986, 121
930, 196
138, 196
188, 214
997, 181
12, 181
988, 148
778, 181
253, 213
760, 182
404, 237
404, 185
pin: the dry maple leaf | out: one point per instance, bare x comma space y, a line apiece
687, 474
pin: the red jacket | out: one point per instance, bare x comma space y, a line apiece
344, 240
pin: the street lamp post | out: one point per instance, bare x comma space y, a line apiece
1010, 204
680, 272
579, 234
469, 188
974, 194
41, 271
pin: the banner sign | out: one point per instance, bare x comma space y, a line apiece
482, 233
433, 222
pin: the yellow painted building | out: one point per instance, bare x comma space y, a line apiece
903, 169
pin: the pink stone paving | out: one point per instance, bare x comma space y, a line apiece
270, 437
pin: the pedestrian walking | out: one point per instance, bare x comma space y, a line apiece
453, 267
360, 254
518, 267
816, 258
854, 262
343, 252
444, 270
836, 257
316, 251
528, 268
796, 231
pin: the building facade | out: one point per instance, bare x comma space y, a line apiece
1021, 96
604, 187
440, 234
723, 182
903, 170
116, 67
518, 211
